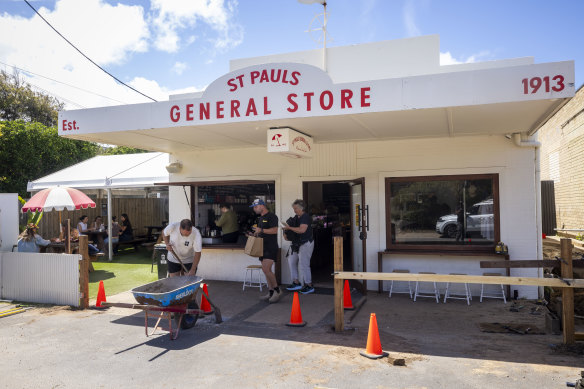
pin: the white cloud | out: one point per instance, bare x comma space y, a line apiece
179, 67
170, 17
409, 18
151, 88
107, 34
447, 58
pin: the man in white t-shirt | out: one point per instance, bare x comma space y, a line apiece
186, 242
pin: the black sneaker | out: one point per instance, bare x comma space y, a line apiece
307, 289
294, 286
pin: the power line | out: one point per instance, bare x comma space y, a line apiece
89, 59
61, 82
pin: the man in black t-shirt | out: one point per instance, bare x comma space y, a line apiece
267, 229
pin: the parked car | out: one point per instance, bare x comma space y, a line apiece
479, 220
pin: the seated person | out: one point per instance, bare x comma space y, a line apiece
98, 224
29, 241
126, 227
82, 225
115, 234
74, 236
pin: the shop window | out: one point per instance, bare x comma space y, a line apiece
442, 212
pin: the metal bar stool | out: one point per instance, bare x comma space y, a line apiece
457, 295
495, 294
409, 289
418, 293
248, 279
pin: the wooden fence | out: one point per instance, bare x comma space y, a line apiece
141, 212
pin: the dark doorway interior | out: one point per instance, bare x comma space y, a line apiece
329, 205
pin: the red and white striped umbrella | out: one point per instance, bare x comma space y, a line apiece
58, 198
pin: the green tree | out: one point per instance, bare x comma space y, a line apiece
29, 151
19, 101
117, 150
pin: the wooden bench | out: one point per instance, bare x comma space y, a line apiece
134, 243
93, 258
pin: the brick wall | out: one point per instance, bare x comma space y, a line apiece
562, 160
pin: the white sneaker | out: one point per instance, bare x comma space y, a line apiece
275, 297
265, 297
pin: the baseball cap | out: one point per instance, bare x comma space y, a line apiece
257, 202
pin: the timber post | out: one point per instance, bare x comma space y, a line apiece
338, 283
567, 293
84, 271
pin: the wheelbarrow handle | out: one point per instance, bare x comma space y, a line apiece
177, 257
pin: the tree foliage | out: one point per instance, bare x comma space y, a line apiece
117, 150
19, 102
29, 151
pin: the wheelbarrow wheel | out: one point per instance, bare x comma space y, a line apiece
188, 321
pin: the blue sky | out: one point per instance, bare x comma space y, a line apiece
163, 47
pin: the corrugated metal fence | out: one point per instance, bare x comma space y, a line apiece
141, 212
40, 278
548, 208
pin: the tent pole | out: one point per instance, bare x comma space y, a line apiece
109, 224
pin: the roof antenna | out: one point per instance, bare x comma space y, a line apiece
321, 38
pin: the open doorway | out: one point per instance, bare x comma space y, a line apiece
336, 208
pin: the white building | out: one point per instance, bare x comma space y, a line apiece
389, 143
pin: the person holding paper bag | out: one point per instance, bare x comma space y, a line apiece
267, 229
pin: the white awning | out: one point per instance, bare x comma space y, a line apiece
109, 171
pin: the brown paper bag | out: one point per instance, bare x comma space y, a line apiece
254, 246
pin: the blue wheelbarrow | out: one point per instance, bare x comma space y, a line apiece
168, 297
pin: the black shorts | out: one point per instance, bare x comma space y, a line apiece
174, 267
270, 253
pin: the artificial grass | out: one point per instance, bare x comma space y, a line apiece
126, 271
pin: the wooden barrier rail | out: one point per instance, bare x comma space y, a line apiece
567, 283
555, 282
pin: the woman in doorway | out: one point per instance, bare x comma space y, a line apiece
301, 248
126, 227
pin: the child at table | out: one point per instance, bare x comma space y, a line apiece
74, 237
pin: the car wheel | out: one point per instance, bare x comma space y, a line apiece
450, 231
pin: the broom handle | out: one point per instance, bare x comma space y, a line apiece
177, 257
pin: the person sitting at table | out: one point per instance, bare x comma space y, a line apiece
30, 241
74, 237
98, 224
228, 224
126, 227
115, 234
82, 225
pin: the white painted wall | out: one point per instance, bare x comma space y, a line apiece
8, 221
375, 161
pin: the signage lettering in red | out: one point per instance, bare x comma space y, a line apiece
293, 104
346, 95
266, 110
220, 110
251, 108
204, 111
175, 113
234, 108
190, 112
365, 97
535, 83
69, 126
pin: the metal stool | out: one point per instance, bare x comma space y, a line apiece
409, 290
436, 293
496, 294
458, 296
248, 279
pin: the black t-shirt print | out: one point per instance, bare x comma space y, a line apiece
269, 220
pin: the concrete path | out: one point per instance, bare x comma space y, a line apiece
58, 347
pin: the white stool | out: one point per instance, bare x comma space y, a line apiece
248, 279
418, 293
409, 290
495, 293
458, 296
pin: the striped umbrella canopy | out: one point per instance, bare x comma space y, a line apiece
58, 198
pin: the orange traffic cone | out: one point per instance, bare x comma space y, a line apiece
373, 350
347, 302
296, 315
100, 295
205, 306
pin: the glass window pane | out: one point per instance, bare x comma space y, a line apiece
433, 212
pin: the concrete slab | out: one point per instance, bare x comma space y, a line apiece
441, 344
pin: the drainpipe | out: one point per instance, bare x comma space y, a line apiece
536, 145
